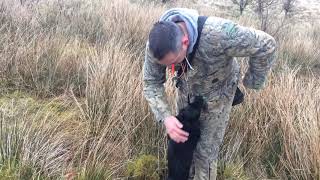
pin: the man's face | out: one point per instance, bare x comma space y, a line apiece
176, 57
173, 58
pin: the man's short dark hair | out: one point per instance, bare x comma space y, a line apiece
164, 37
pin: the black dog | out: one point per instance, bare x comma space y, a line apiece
180, 154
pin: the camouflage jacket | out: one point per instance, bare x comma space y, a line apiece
214, 64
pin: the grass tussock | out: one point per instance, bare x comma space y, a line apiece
281, 129
146, 167
71, 103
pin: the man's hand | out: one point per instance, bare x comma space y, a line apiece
251, 81
173, 128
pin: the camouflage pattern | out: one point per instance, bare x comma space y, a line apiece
215, 77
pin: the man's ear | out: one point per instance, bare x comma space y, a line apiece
185, 40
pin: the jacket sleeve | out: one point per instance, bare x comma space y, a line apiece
259, 46
154, 76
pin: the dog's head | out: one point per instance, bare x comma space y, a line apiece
189, 115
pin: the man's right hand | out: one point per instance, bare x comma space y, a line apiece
173, 128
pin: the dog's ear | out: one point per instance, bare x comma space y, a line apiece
181, 115
199, 102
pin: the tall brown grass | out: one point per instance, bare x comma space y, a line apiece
276, 131
82, 114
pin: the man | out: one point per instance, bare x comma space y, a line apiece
213, 74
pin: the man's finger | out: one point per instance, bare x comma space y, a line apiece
174, 137
181, 132
179, 137
178, 123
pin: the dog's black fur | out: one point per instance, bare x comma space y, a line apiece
180, 154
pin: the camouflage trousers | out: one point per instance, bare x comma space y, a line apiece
213, 122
